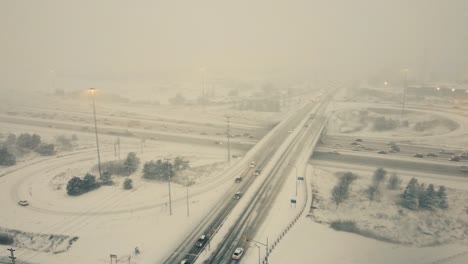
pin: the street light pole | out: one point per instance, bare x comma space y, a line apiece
405, 84
228, 132
93, 92
258, 252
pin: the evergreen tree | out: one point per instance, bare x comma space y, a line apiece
430, 198
442, 197
6, 158
131, 163
89, 183
74, 186
421, 190
128, 184
106, 178
410, 195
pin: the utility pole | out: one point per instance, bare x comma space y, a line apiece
93, 92
12, 257
228, 134
169, 185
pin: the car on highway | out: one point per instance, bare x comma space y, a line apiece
418, 155
358, 140
354, 143
455, 158
256, 172
381, 152
464, 169
237, 196
185, 261
464, 155
201, 241
238, 253
238, 179
23, 203
252, 164
432, 154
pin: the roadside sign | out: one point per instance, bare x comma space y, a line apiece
300, 178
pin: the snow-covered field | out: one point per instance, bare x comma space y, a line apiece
312, 242
109, 220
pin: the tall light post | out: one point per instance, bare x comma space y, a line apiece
405, 84
93, 92
255, 244
228, 134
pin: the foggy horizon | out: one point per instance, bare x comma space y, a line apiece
79, 43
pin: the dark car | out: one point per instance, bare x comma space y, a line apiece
256, 173
238, 195
432, 154
455, 158
359, 140
418, 155
382, 152
201, 241
238, 179
23, 203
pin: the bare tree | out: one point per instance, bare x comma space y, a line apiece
373, 193
394, 182
379, 176
341, 191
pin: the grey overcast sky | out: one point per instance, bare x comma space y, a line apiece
145, 39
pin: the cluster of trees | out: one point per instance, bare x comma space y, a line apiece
27, 142
341, 190
382, 124
128, 184
6, 157
23, 143
417, 196
77, 186
259, 105
161, 170
373, 192
64, 142
125, 167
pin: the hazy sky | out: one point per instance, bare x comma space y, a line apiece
148, 39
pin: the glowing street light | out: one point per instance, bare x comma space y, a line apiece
92, 91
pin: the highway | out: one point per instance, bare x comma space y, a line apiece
252, 215
343, 145
343, 149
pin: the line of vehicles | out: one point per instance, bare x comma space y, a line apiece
203, 239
